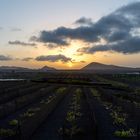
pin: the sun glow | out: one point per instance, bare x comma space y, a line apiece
72, 49
70, 64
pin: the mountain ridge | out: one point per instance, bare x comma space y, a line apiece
93, 66
104, 67
24, 69
47, 68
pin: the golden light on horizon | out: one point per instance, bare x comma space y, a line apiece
70, 64
68, 51
72, 49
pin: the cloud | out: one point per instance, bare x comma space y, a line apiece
84, 21
131, 45
21, 43
5, 58
50, 37
54, 58
77, 62
1, 28
60, 35
117, 29
27, 59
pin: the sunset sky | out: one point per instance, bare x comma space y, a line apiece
69, 34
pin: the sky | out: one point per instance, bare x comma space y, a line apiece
69, 34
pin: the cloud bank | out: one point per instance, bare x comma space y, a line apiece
53, 58
117, 29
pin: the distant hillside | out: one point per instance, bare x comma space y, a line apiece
13, 68
94, 66
46, 68
22, 69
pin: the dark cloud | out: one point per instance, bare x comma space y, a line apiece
50, 37
84, 21
21, 43
5, 58
54, 58
62, 34
27, 59
116, 29
131, 45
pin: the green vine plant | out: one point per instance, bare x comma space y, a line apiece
125, 133
119, 119
74, 114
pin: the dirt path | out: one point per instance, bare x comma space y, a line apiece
104, 123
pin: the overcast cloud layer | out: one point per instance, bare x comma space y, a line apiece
118, 29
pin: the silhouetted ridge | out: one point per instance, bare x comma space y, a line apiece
95, 66
46, 68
